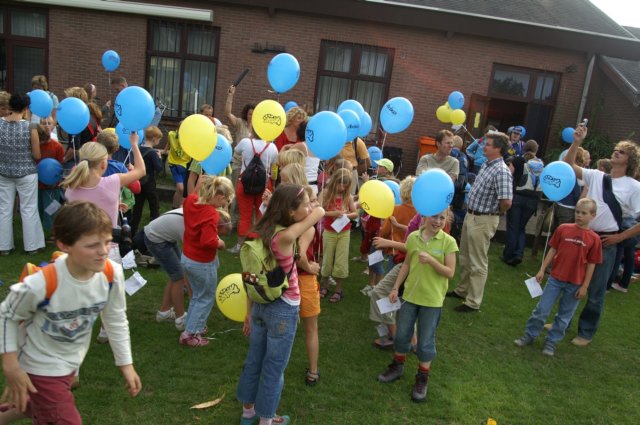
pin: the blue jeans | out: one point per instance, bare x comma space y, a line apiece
590, 316
168, 255
428, 319
518, 216
554, 290
273, 329
203, 278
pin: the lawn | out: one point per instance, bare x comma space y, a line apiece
479, 373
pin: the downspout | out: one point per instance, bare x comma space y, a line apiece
585, 89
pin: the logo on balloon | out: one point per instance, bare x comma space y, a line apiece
308, 135
353, 126
271, 119
391, 109
228, 292
117, 109
552, 181
365, 206
449, 198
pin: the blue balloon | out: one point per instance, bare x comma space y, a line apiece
396, 115
41, 103
283, 72
375, 154
395, 188
354, 105
49, 172
432, 192
557, 180
110, 60
134, 108
352, 121
365, 124
123, 136
73, 115
219, 158
326, 134
567, 134
456, 100
290, 104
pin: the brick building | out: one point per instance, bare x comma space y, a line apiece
537, 63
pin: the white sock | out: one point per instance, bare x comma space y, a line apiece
248, 413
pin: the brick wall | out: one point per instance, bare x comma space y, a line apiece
427, 65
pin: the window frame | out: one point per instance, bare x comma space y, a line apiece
534, 74
183, 56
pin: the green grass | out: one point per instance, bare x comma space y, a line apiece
479, 372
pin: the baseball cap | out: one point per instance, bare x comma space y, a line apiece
386, 163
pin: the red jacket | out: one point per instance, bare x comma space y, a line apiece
200, 239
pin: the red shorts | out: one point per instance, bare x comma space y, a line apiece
53, 404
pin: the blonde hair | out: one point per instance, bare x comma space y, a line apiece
224, 130
109, 140
341, 176
40, 82
91, 156
152, 132
291, 156
296, 112
604, 165
225, 217
589, 204
4, 99
406, 186
458, 142
78, 92
215, 185
295, 174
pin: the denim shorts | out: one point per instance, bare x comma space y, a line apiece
179, 173
168, 255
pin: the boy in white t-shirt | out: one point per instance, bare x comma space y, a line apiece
45, 333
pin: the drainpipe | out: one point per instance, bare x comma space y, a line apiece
585, 89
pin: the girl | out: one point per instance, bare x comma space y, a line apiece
199, 245
337, 201
271, 327
429, 264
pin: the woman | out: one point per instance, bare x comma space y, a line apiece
289, 135
19, 149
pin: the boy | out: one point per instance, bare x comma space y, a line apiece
575, 250
153, 165
49, 148
44, 341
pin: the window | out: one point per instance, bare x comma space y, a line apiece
353, 71
23, 47
182, 63
528, 85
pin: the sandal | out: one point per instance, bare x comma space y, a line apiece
312, 378
336, 297
324, 292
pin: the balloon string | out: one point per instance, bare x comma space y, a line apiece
73, 144
546, 243
384, 139
467, 131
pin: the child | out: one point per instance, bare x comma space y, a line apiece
337, 201
40, 368
199, 246
394, 227
49, 148
272, 327
575, 250
430, 263
178, 160
153, 165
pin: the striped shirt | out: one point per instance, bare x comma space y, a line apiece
292, 294
494, 183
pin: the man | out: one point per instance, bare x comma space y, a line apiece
442, 158
621, 200
110, 119
489, 197
356, 153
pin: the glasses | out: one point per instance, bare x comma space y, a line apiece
620, 151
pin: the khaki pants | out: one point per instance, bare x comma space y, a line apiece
335, 254
381, 290
477, 232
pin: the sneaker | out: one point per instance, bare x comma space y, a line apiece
619, 288
235, 249
419, 393
165, 316
102, 337
523, 341
394, 371
383, 343
549, 349
194, 340
249, 421
35, 251
180, 322
580, 341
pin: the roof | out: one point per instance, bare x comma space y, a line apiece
625, 73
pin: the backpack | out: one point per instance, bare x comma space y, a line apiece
254, 176
264, 280
529, 183
51, 277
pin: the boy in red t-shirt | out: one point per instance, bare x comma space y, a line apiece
575, 250
50, 198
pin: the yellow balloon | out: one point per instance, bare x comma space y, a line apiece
232, 298
458, 117
198, 136
444, 113
269, 119
376, 199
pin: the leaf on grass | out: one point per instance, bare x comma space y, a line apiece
208, 404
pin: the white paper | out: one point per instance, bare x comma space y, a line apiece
53, 207
375, 257
129, 261
385, 306
383, 330
263, 208
134, 283
339, 223
534, 287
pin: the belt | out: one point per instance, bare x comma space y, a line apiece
608, 233
472, 212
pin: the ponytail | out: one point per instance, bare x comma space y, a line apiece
91, 156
